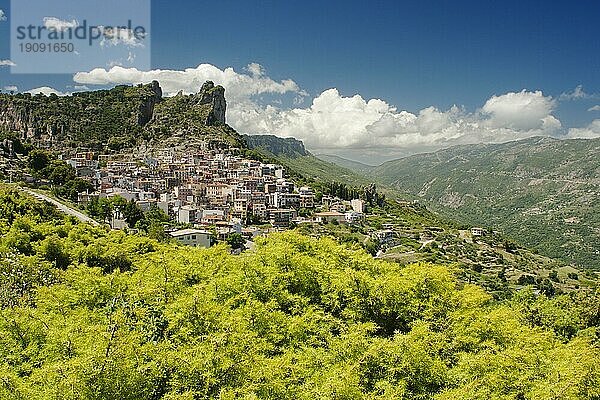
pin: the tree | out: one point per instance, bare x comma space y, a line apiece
236, 241
39, 159
59, 172
132, 213
52, 249
156, 231
100, 208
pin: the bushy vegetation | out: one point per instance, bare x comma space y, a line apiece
63, 177
91, 314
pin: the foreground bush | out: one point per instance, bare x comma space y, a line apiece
298, 318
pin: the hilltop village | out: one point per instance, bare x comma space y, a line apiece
209, 188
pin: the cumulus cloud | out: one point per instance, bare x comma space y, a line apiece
46, 91
59, 25
2, 15
335, 121
255, 69
7, 63
589, 132
594, 108
240, 87
520, 111
11, 88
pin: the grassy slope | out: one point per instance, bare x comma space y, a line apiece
343, 162
538, 191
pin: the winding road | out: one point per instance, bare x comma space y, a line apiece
62, 207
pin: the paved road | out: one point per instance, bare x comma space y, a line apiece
62, 207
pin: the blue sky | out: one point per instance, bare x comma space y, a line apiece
410, 54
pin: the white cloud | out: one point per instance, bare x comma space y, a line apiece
589, 132
11, 88
335, 121
576, 94
46, 91
240, 87
520, 111
59, 25
255, 69
594, 108
2, 15
7, 63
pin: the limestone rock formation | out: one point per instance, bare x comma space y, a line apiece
215, 97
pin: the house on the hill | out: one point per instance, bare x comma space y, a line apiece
329, 216
478, 231
192, 237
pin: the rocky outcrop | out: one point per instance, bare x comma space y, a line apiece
146, 111
116, 118
288, 147
215, 97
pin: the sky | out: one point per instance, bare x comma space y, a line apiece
368, 81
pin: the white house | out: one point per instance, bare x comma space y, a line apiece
188, 214
328, 216
478, 231
353, 217
358, 205
192, 237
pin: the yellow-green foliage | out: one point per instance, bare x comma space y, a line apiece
90, 314
297, 318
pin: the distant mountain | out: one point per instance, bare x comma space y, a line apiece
288, 147
343, 162
117, 118
542, 192
291, 153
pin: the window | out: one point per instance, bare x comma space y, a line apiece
193, 237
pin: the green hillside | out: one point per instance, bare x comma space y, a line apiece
117, 119
292, 154
343, 162
542, 192
87, 313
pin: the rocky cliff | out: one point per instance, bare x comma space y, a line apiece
214, 97
287, 147
117, 118
147, 107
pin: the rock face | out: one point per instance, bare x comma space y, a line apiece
147, 107
93, 118
288, 147
117, 118
215, 97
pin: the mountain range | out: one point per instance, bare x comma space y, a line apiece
543, 192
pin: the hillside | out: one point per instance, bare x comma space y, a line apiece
117, 119
285, 147
542, 192
343, 162
291, 153
87, 313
